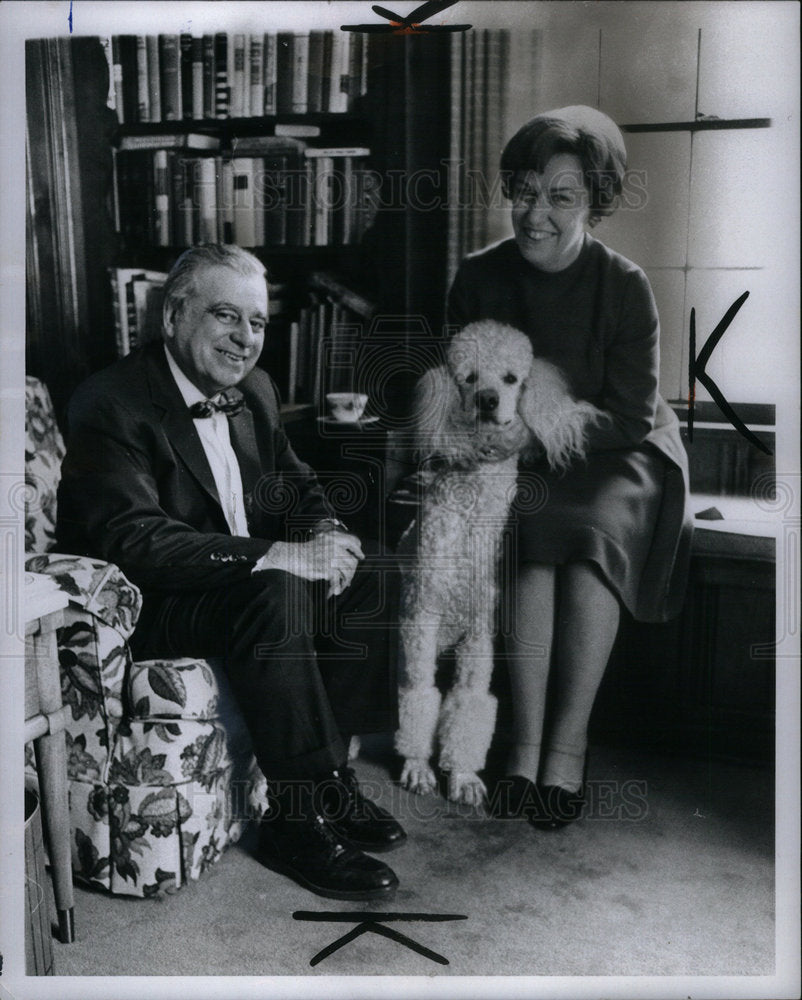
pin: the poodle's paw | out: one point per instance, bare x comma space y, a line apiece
418, 777
466, 787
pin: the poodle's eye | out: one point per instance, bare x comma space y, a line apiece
470, 378
510, 379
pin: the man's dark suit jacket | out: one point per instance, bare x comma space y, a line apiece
137, 489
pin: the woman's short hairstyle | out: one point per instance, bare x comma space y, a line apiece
180, 283
585, 133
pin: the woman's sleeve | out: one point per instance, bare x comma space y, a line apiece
631, 364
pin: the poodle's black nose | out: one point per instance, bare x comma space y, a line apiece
487, 402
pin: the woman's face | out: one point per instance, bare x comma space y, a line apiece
550, 212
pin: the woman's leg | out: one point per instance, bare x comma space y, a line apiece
529, 655
588, 614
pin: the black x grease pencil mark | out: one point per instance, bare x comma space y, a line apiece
411, 24
374, 923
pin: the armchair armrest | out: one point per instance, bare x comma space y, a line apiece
98, 587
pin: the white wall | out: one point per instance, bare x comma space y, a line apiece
722, 208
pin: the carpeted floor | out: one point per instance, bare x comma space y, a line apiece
671, 873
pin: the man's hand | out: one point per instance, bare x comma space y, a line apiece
331, 555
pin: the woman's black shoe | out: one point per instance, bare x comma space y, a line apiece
557, 807
514, 797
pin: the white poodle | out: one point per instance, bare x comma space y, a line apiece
474, 416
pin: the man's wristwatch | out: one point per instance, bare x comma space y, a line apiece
327, 524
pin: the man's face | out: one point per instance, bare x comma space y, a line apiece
218, 332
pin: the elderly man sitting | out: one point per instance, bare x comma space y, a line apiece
179, 471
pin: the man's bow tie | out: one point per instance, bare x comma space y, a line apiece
231, 403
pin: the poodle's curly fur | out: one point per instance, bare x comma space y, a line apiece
474, 416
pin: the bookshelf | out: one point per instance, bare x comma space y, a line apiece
394, 262
259, 140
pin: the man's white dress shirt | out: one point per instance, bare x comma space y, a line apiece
216, 441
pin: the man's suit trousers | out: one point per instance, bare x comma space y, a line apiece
305, 670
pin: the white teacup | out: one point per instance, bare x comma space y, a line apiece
346, 407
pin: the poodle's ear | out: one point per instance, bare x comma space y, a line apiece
556, 419
435, 415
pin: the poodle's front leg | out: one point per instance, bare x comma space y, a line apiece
467, 720
418, 702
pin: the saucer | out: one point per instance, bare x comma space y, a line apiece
348, 423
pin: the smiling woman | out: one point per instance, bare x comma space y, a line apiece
612, 529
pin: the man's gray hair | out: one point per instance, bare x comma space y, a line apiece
181, 279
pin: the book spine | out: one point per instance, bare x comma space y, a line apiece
230, 50
325, 70
117, 78
142, 82
225, 199
170, 77
246, 76
128, 61
307, 232
317, 151
278, 199
340, 64
315, 80
302, 379
161, 196
222, 92
257, 50
270, 69
363, 78
175, 187
321, 326
208, 76
354, 69
284, 67
292, 375
105, 43
206, 194
322, 200
154, 80
185, 50
244, 234
300, 72
346, 208
115, 189
238, 91
189, 228
197, 77
258, 189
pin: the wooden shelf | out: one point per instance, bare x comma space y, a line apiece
702, 125
332, 126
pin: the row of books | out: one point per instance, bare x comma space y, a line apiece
322, 345
138, 297
287, 196
159, 78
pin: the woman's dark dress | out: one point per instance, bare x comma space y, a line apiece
624, 507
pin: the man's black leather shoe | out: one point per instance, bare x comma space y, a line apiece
309, 851
357, 820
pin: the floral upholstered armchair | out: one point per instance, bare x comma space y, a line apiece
161, 772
